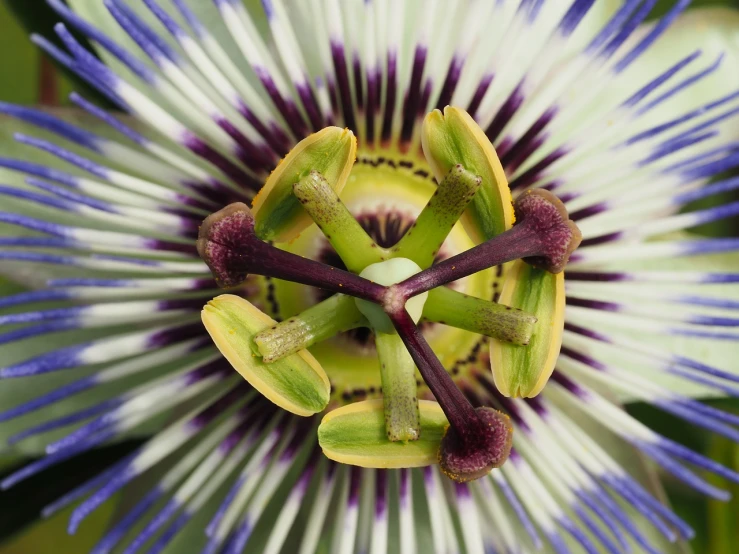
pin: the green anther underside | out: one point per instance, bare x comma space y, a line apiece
354, 435
294, 382
523, 371
277, 212
533, 296
454, 138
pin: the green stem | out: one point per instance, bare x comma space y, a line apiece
399, 389
322, 321
424, 239
480, 316
355, 247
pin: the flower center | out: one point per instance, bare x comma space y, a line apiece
385, 193
388, 273
390, 289
386, 227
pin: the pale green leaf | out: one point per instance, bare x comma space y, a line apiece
51, 535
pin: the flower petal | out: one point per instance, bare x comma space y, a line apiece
713, 30
677, 283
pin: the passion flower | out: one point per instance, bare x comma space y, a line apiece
623, 120
386, 293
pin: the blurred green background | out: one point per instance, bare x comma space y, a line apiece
26, 77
